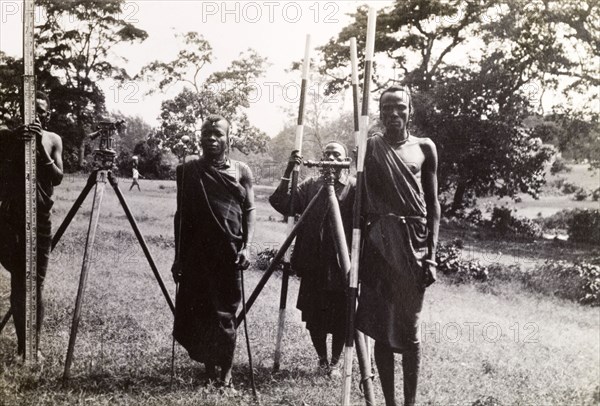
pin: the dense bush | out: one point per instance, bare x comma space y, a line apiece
505, 223
584, 226
559, 165
265, 257
580, 194
154, 162
450, 263
475, 217
596, 195
557, 221
579, 281
568, 187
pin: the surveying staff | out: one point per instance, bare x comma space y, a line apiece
322, 295
402, 214
215, 202
12, 208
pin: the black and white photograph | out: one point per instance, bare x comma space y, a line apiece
302, 203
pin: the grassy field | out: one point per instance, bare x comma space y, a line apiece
551, 200
487, 344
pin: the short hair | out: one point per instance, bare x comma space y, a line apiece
43, 96
339, 143
394, 89
215, 118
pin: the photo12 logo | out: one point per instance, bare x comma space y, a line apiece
269, 11
14, 9
480, 332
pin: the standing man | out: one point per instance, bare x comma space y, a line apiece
402, 215
12, 208
215, 210
322, 295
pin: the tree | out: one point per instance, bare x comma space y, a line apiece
225, 92
416, 35
11, 71
544, 45
136, 130
483, 150
474, 106
75, 46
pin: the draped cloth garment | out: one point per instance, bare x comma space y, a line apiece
12, 227
322, 293
395, 243
211, 202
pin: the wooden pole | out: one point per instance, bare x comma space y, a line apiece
292, 212
29, 102
356, 232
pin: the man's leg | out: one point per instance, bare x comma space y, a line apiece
226, 371
384, 358
17, 304
337, 346
319, 340
131, 187
411, 360
211, 373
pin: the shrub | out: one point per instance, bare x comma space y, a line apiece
450, 263
580, 194
475, 217
504, 223
596, 195
568, 188
579, 282
559, 165
584, 226
264, 258
559, 220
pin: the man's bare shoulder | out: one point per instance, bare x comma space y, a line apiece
53, 137
243, 169
426, 144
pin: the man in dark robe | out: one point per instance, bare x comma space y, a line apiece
322, 295
12, 208
402, 212
214, 224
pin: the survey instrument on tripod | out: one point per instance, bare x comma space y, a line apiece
104, 158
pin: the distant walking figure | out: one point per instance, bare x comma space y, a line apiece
136, 174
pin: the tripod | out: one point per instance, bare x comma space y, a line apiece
328, 174
98, 179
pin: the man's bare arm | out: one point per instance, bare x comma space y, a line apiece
430, 189
55, 167
249, 217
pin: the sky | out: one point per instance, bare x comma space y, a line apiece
275, 29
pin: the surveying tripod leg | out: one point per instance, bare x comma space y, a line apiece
115, 185
89, 245
63, 226
277, 258
5, 319
285, 280
351, 334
